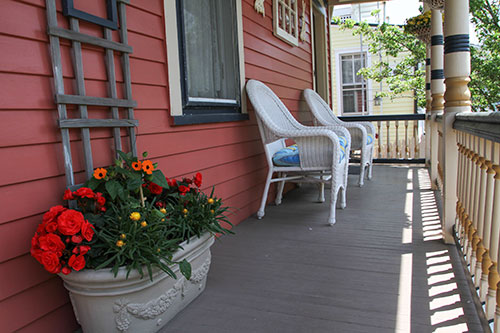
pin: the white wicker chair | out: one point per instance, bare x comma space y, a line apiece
319, 149
359, 131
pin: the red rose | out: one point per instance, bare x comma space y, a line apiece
50, 262
197, 179
51, 226
101, 201
70, 222
155, 188
87, 231
84, 249
40, 230
84, 192
52, 243
52, 214
37, 254
77, 239
187, 180
171, 183
68, 195
66, 270
77, 263
183, 189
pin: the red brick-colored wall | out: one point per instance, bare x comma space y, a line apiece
230, 155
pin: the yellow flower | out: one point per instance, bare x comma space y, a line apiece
158, 250
163, 210
212, 211
120, 243
144, 224
135, 216
210, 201
123, 236
163, 220
184, 211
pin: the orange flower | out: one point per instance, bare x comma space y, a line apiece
137, 166
100, 173
147, 167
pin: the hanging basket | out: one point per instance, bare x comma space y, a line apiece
435, 4
423, 34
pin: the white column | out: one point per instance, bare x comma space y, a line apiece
457, 97
437, 87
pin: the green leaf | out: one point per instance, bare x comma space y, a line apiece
134, 183
123, 156
93, 183
159, 179
145, 154
113, 187
185, 268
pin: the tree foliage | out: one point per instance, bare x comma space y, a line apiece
403, 77
409, 74
485, 58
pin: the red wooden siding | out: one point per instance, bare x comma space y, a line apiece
230, 155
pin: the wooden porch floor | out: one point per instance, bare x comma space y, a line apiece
381, 268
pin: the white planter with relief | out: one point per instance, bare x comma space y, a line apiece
104, 303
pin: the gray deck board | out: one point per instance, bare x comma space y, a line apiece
291, 272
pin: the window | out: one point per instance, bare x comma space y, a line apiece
353, 86
206, 73
286, 21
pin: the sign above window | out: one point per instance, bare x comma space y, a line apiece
286, 21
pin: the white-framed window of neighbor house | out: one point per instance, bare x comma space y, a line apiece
353, 91
205, 60
285, 21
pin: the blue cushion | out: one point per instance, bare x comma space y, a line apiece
288, 156
369, 139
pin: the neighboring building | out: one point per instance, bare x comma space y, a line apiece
191, 118
352, 94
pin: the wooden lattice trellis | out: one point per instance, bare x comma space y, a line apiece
81, 99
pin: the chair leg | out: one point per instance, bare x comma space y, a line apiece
260, 213
321, 194
361, 173
333, 203
342, 194
370, 166
279, 194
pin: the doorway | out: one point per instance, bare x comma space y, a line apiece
319, 49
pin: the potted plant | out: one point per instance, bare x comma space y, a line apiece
134, 248
420, 26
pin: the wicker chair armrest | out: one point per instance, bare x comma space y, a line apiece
318, 147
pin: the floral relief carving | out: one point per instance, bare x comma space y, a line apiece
302, 35
259, 7
154, 308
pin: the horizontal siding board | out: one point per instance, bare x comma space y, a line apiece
63, 316
263, 60
19, 274
266, 47
32, 304
15, 237
265, 75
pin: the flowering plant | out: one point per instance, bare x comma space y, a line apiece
416, 23
128, 214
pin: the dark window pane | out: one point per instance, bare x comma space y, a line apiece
211, 49
348, 101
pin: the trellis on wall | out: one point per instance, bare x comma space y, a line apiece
83, 101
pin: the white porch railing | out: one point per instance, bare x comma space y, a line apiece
477, 227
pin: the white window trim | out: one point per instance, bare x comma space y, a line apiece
338, 84
281, 33
173, 61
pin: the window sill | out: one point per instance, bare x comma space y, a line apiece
191, 119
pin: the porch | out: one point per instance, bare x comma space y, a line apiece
382, 268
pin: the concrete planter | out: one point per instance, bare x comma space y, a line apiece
104, 303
